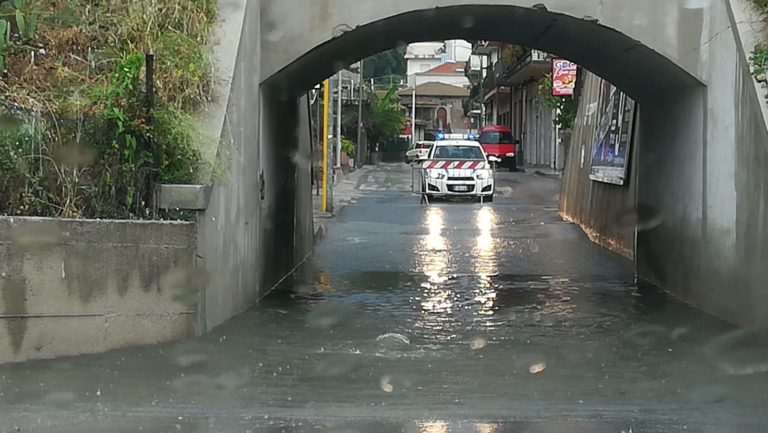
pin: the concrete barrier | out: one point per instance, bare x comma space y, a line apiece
84, 286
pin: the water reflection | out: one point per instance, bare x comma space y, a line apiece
484, 254
433, 248
446, 300
433, 427
486, 428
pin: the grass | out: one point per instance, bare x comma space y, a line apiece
76, 138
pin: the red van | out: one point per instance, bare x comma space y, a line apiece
497, 140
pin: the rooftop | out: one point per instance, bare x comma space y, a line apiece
436, 89
448, 68
425, 50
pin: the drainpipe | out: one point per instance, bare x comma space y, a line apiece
524, 126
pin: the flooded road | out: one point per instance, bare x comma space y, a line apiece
457, 317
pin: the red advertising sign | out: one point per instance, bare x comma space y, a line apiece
563, 77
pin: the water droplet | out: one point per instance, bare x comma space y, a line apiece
742, 352
646, 335
274, 35
393, 337
328, 315
190, 359
332, 366
538, 368
36, 235
59, 397
385, 384
478, 343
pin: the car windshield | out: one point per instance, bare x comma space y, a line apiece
459, 152
496, 138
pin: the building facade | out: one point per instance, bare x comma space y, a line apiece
439, 107
508, 91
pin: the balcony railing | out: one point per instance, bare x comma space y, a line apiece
533, 56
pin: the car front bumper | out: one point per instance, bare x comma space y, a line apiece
460, 188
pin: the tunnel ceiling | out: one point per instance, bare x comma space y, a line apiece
633, 67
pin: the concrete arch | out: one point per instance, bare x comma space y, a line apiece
636, 58
700, 158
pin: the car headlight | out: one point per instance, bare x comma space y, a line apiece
436, 174
484, 174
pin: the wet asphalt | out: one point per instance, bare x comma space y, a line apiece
452, 317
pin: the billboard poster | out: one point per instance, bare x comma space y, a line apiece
563, 77
613, 137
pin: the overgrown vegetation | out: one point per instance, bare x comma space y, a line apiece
383, 118
759, 60
386, 64
78, 137
348, 147
759, 56
566, 106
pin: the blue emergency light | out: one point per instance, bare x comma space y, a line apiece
471, 137
440, 135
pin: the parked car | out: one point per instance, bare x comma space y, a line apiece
417, 151
497, 140
456, 168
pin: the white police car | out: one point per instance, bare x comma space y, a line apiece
458, 168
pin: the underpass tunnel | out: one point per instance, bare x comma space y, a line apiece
667, 169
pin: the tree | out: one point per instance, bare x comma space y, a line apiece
383, 118
386, 119
566, 106
386, 63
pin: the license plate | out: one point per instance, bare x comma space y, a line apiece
461, 188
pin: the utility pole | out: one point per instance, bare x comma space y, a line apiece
413, 113
338, 125
326, 204
331, 123
360, 151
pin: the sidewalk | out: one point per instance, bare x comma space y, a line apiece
344, 192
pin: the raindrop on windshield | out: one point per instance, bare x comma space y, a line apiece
468, 21
538, 368
274, 35
385, 384
741, 352
644, 218
478, 343
329, 315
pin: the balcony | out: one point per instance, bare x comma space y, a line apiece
534, 65
495, 77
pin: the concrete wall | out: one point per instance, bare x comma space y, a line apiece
76, 286
605, 211
258, 223
700, 170
229, 231
304, 231
635, 45
717, 235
